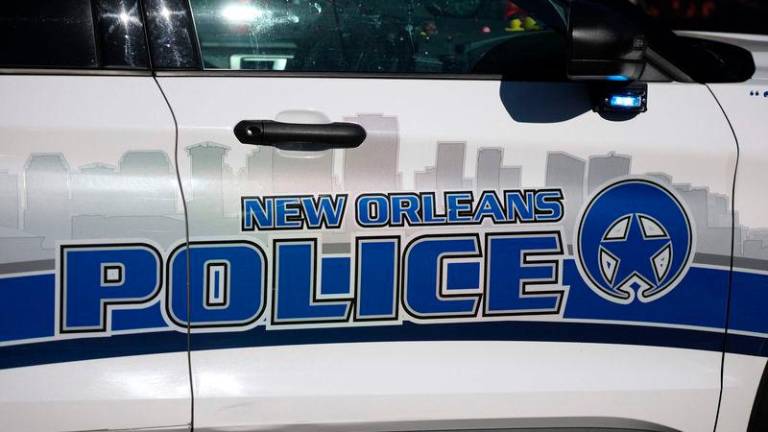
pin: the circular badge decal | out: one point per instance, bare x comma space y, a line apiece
634, 241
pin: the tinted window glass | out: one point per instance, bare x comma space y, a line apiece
522, 38
46, 33
122, 43
731, 16
172, 34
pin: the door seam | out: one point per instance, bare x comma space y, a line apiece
731, 263
186, 239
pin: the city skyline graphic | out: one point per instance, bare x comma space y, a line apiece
50, 201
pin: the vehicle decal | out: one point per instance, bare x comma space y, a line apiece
587, 318
637, 248
378, 246
511, 279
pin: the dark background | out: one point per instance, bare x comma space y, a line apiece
734, 16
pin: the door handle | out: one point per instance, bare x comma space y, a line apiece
300, 136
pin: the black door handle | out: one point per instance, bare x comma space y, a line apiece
299, 136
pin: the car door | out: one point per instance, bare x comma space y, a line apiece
495, 254
89, 202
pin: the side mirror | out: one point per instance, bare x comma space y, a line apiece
606, 41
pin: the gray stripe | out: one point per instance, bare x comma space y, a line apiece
27, 266
337, 248
750, 263
712, 259
725, 261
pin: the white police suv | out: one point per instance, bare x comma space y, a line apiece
379, 215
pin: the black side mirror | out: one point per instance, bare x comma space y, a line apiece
606, 41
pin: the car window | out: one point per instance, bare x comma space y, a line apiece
728, 16
72, 34
523, 38
46, 33
120, 34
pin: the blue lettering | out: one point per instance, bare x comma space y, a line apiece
324, 211
335, 276
549, 205
372, 210
227, 286
288, 213
377, 278
489, 206
519, 208
429, 211
459, 206
257, 213
405, 207
523, 273
424, 265
295, 293
97, 279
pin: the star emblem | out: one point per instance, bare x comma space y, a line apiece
635, 241
635, 255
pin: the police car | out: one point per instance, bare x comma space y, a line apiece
382, 215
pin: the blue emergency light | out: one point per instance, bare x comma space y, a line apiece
628, 99
618, 78
625, 101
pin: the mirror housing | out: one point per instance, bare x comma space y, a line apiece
606, 41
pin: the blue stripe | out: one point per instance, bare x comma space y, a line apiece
749, 345
749, 302
28, 305
91, 348
517, 331
521, 331
27, 308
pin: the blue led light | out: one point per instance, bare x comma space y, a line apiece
625, 101
617, 78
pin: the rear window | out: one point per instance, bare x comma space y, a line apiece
47, 33
72, 34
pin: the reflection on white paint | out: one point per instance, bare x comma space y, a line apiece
219, 383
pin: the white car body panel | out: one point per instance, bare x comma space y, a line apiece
75, 121
694, 146
133, 392
402, 384
746, 105
740, 383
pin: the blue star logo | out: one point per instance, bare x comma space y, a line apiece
634, 241
634, 254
